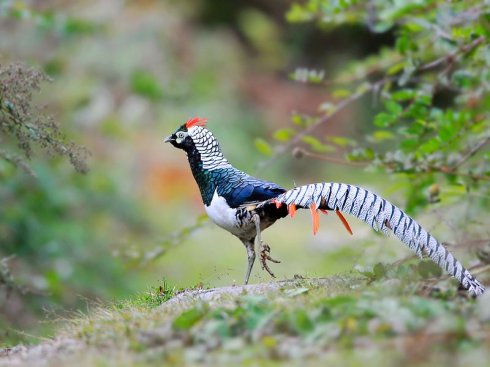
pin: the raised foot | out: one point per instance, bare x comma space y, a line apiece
265, 251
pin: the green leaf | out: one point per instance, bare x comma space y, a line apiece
188, 318
415, 27
301, 322
263, 146
393, 107
403, 95
379, 270
78, 26
284, 134
341, 141
446, 133
316, 144
395, 69
383, 119
297, 13
341, 93
418, 110
381, 135
403, 44
428, 269
339, 301
430, 146
409, 144
299, 120
424, 99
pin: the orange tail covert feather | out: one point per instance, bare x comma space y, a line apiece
315, 217
344, 221
324, 211
292, 210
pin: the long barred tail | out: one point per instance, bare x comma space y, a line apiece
382, 216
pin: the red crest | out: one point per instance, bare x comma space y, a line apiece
196, 121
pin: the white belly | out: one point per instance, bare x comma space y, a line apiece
225, 217
221, 214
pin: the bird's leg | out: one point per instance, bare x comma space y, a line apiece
249, 246
264, 248
265, 251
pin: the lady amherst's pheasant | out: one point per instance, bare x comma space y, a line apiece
245, 206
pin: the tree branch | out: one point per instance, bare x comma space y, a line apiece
451, 57
471, 152
281, 149
322, 120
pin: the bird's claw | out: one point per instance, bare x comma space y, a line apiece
265, 251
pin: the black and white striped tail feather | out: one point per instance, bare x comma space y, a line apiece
382, 216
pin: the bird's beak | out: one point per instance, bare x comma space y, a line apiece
168, 139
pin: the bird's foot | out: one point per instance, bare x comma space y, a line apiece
265, 251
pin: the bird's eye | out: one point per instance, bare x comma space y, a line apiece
181, 135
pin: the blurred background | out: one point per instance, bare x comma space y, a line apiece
124, 74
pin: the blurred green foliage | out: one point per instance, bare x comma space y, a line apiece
430, 89
56, 225
144, 84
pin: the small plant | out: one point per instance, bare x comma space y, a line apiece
152, 298
25, 125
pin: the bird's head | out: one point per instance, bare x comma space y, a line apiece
183, 137
199, 144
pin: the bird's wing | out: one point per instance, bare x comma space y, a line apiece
247, 190
379, 214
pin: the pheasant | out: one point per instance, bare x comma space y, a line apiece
245, 206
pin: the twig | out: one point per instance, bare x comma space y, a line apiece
354, 97
454, 169
370, 71
322, 120
451, 57
471, 152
